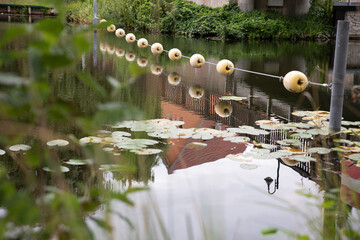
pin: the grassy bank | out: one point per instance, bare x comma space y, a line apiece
28, 2
182, 17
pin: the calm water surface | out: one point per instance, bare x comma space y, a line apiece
199, 193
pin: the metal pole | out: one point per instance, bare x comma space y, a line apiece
95, 34
95, 11
337, 93
95, 49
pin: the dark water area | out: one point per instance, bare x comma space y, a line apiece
197, 191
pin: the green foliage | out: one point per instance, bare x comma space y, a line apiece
184, 17
39, 204
193, 20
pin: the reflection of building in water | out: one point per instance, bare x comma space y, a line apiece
183, 153
355, 93
350, 184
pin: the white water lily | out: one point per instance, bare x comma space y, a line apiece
57, 142
90, 139
2, 152
19, 147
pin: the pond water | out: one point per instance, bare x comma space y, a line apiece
199, 187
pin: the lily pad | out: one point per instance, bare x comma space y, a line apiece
238, 157
76, 162
318, 131
270, 127
260, 151
235, 98
284, 152
249, 166
319, 150
301, 135
338, 149
123, 124
248, 130
62, 169
264, 145
57, 142
120, 134
289, 162
300, 113
294, 150
237, 139
112, 167
279, 154
108, 149
289, 142
19, 147
355, 157
345, 141
302, 158
147, 151
267, 122
196, 145
349, 123
130, 146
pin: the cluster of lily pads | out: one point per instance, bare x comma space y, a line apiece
23, 148
291, 147
291, 150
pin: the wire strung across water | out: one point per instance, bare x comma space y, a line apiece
281, 78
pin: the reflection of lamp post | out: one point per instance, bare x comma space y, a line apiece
269, 180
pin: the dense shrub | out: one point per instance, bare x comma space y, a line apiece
183, 17
199, 21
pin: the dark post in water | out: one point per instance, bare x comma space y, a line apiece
338, 78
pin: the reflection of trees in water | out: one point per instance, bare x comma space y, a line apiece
128, 168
